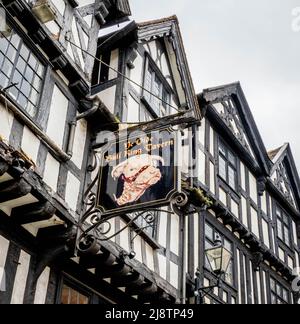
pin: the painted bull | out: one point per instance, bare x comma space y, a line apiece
139, 173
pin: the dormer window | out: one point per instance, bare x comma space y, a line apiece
156, 93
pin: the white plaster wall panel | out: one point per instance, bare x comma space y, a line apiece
30, 144
136, 74
41, 287
243, 176
174, 242
253, 187
72, 191
211, 141
223, 196
239, 276
21, 278
124, 237
53, 27
174, 274
201, 166
133, 114
254, 222
79, 142
291, 263
295, 237
138, 249
149, 256
7, 206
51, 172
153, 49
196, 242
264, 203
108, 98
4, 245
212, 184
265, 286
60, 6
244, 212
281, 254
257, 273
165, 68
114, 63
6, 121
57, 117
297, 262
185, 159
162, 261
265, 230
201, 133
235, 208
162, 233
5, 177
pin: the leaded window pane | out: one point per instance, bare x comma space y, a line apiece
19, 65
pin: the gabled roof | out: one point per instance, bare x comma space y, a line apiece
154, 29
284, 158
245, 118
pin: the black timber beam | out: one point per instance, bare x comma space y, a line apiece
3, 168
14, 189
32, 213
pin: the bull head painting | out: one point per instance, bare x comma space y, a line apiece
138, 173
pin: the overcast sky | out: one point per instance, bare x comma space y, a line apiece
248, 41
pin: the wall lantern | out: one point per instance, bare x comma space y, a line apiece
44, 11
218, 259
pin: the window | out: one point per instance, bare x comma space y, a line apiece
227, 166
156, 93
70, 296
101, 69
210, 235
283, 226
19, 65
279, 295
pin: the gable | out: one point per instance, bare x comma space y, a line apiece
226, 108
228, 105
162, 39
284, 174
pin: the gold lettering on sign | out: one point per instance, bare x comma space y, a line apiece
146, 143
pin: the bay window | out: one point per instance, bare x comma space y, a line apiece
19, 65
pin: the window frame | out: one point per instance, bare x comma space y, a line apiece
94, 297
228, 165
224, 239
278, 295
42, 105
156, 73
281, 235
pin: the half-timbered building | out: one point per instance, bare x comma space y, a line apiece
255, 209
70, 70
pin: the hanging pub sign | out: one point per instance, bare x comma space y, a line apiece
138, 171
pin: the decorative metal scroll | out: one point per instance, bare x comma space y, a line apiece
94, 226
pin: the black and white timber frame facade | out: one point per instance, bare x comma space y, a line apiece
49, 124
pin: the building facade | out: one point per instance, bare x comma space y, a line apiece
70, 70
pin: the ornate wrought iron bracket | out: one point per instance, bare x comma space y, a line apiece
94, 227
